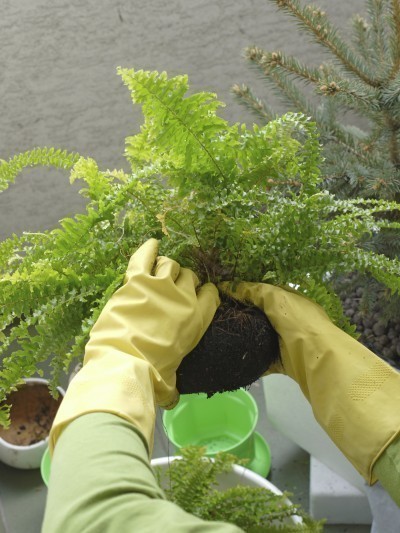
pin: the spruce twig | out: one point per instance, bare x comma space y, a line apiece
315, 22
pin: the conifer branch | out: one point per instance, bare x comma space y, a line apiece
394, 148
395, 38
339, 137
281, 83
361, 38
256, 105
285, 88
378, 42
316, 22
356, 95
390, 95
271, 60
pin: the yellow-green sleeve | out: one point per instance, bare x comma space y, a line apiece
387, 470
102, 482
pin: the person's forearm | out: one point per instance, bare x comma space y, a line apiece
387, 470
101, 480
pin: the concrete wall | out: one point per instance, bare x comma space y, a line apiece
59, 87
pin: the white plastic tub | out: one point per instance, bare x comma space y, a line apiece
238, 476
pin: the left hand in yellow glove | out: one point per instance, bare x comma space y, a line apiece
140, 338
354, 395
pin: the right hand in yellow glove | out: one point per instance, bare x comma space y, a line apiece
140, 338
355, 396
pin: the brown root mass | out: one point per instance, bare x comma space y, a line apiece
238, 347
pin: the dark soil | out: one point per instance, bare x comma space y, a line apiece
238, 347
32, 414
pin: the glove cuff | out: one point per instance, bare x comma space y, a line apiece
112, 383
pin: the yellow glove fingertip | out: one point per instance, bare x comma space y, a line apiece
187, 278
236, 291
170, 404
210, 291
208, 301
143, 259
166, 268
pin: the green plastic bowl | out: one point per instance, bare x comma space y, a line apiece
223, 423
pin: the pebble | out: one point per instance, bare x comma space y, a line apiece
379, 329
380, 337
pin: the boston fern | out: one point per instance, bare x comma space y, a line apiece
192, 483
231, 202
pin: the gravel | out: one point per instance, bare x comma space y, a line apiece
380, 336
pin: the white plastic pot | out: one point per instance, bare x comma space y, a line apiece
291, 414
32, 404
238, 476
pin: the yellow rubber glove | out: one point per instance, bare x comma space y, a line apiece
355, 396
140, 338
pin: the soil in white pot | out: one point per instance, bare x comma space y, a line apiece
32, 414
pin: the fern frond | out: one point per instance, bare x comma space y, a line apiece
192, 483
99, 182
12, 250
191, 123
261, 153
81, 338
248, 508
326, 297
47, 157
